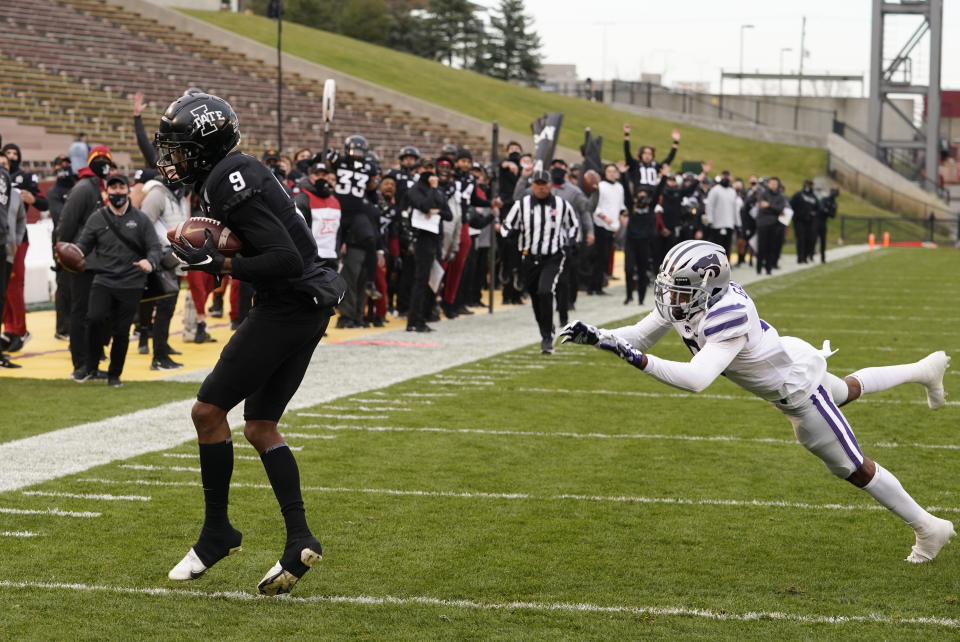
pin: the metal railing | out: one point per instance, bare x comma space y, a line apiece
932, 229
874, 190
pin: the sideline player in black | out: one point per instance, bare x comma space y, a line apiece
265, 360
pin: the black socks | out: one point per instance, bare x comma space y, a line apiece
217, 536
284, 476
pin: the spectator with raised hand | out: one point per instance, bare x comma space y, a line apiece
143, 141
645, 169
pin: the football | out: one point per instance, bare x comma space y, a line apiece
192, 229
590, 181
70, 257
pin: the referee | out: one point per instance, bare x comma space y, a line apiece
544, 224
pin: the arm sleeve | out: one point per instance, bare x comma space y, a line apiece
671, 155
509, 223
146, 147
70, 215
632, 162
646, 332
573, 221
302, 201
279, 256
87, 238
698, 373
518, 189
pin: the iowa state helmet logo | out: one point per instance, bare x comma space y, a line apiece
206, 120
707, 265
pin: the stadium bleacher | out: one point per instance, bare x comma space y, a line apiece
73, 65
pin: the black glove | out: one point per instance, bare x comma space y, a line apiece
205, 258
333, 157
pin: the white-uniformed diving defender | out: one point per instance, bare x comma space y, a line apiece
719, 323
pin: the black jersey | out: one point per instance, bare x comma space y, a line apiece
279, 253
353, 178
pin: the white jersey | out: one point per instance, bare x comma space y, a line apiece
730, 338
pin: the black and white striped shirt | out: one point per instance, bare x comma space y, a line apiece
545, 228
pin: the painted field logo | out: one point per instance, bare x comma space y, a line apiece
706, 265
205, 119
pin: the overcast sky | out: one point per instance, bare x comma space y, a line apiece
692, 40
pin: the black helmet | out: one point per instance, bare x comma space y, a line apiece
196, 132
374, 159
409, 150
450, 150
356, 147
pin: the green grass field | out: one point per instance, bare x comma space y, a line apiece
515, 106
575, 498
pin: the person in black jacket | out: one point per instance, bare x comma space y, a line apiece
828, 210
641, 231
267, 357
114, 231
57, 198
806, 207
770, 203
82, 201
429, 208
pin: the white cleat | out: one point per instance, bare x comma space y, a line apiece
934, 365
278, 580
189, 568
929, 542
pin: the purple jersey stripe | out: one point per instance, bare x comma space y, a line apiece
854, 457
843, 420
764, 325
727, 308
724, 326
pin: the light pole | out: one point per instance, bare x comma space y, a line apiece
742, 28
783, 51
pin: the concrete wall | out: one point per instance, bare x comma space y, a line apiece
203, 5
733, 128
294, 64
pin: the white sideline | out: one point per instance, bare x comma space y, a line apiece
550, 607
78, 448
622, 499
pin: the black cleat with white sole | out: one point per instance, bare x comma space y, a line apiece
298, 558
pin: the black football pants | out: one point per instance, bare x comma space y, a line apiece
540, 276
119, 305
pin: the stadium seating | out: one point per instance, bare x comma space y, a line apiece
73, 65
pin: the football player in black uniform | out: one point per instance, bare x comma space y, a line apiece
265, 360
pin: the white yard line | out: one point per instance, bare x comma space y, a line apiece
475, 605
335, 371
105, 498
49, 511
614, 436
700, 395
196, 457
620, 499
18, 534
337, 416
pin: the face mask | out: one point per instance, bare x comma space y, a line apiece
322, 187
100, 167
557, 175
117, 200
303, 165
279, 173
808, 189
725, 182
65, 176
643, 200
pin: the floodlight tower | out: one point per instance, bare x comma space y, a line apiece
895, 76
